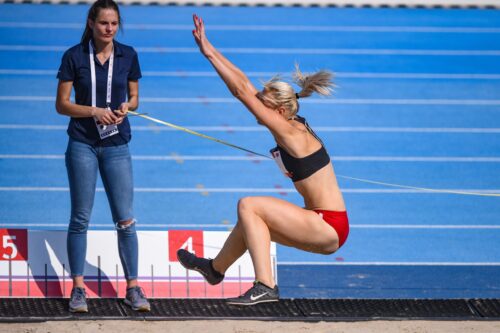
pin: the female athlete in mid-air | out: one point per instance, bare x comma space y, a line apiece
321, 226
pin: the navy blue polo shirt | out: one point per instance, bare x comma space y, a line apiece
75, 66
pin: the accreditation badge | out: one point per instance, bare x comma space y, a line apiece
105, 131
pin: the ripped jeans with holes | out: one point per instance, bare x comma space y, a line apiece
83, 162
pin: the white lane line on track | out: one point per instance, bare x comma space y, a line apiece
176, 158
243, 190
228, 128
350, 101
290, 51
296, 28
365, 75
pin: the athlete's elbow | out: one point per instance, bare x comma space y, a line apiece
240, 90
237, 92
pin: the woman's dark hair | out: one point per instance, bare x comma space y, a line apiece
94, 12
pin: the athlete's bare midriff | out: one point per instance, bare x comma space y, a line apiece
321, 191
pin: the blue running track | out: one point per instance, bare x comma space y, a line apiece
417, 103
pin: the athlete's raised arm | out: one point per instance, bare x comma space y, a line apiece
238, 83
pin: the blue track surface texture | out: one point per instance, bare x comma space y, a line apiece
417, 103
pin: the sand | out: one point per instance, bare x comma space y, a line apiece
248, 326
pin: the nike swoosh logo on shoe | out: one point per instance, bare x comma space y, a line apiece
254, 298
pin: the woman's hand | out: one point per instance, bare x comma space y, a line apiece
105, 117
121, 113
199, 36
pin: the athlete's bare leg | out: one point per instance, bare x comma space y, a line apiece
233, 248
262, 219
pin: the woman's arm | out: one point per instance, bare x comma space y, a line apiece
237, 82
133, 95
133, 101
65, 107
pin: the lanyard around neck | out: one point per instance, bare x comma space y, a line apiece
93, 79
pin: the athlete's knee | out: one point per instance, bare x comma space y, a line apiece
246, 211
327, 252
245, 205
330, 248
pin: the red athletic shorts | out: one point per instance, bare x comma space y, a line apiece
338, 221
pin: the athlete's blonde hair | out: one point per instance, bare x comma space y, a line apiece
278, 93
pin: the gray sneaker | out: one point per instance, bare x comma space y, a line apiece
78, 300
259, 293
136, 299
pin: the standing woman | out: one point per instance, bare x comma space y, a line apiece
104, 74
322, 226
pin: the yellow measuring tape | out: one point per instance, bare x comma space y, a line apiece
423, 189
368, 181
187, 130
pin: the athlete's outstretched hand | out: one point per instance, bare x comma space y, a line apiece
200, 37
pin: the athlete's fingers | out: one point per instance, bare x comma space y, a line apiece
197, 31
202, 27
195, 20
199, 25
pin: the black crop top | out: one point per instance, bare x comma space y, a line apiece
300, 168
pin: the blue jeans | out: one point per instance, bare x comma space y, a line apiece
115, 166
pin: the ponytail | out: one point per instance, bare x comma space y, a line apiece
319, 82
279, 93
